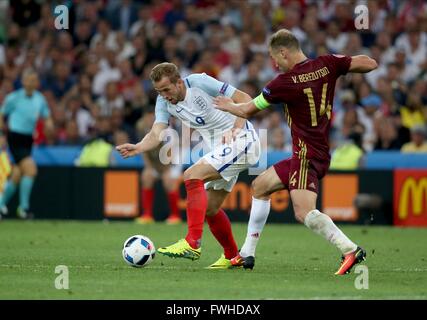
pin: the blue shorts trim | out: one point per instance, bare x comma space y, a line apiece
225, 166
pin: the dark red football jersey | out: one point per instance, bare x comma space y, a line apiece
307, 90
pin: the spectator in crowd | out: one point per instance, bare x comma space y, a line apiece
418, 140
72, 136
266, 72
104, 34
347, 118
128, 81
111, 100
122, 14
371, 104
387, 135
335, 40
206, 64
117, 123
348, 156
25, 12
413, 112
236, 72
83, 118
120, 137
61, 81
230, 40
276, 121
96, 153
83, 34
191, 52
351, 124
107, 71
277, 140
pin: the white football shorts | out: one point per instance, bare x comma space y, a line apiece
231, 159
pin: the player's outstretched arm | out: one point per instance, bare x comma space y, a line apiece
149, 142
242, 110
362, 64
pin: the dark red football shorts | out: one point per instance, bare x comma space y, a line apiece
298, 173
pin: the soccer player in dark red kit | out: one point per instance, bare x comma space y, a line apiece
306, 87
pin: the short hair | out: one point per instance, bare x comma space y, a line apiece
284, 38
29, 72
165, 69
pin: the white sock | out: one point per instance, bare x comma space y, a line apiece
323, 225
257, 219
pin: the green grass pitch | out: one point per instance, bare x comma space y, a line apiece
292, 263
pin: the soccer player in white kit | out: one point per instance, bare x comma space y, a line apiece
234, 147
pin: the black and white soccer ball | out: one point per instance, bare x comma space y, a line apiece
138, 251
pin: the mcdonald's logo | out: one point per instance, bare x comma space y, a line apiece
410, 197
415, 190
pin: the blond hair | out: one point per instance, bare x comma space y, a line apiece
284, 38
165, 69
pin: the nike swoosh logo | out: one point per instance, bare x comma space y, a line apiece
179, 110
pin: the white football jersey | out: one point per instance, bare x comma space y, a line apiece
197, 110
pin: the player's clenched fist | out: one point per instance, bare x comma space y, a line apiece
128, 150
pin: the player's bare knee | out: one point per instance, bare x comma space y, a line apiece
191, 173
169, 185
29, 172
16, 175
32, 171
259, 189
255, 187
187, 174
147, 179
28, 167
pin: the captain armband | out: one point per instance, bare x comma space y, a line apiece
260, 102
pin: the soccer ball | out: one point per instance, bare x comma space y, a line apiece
138, 251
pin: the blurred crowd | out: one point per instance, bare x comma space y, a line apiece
95, 75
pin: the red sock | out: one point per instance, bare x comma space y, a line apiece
197, 203
173, 204
147, 197
221, 228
